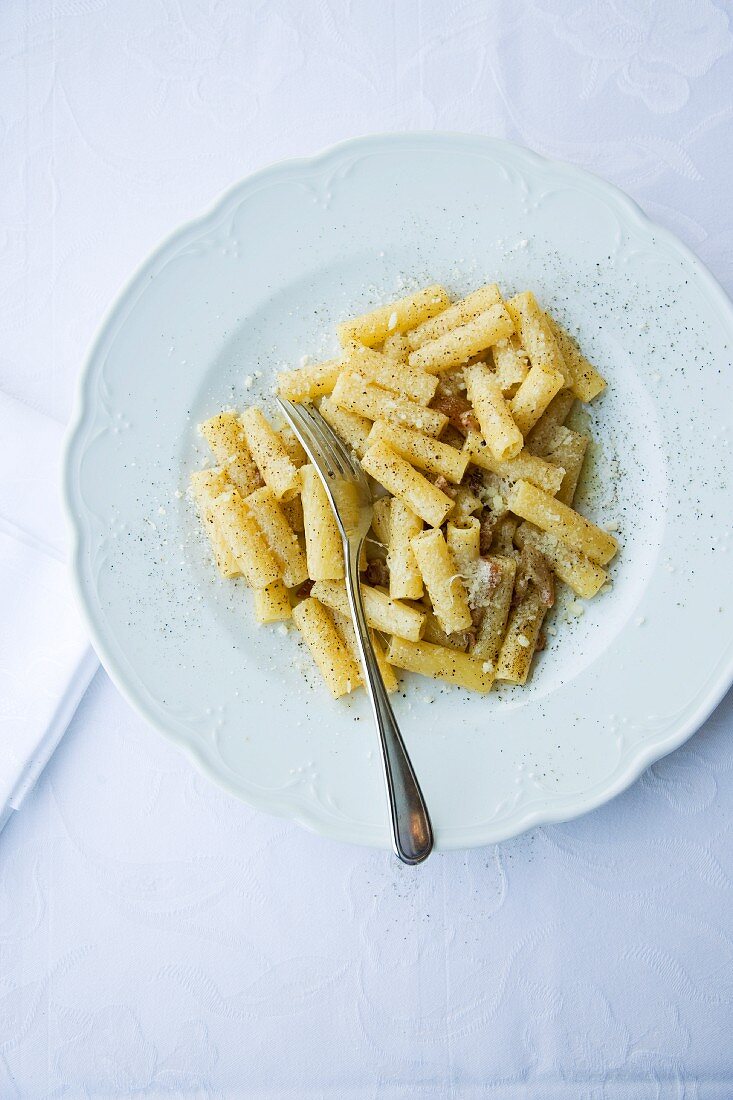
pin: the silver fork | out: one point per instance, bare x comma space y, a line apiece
348, 492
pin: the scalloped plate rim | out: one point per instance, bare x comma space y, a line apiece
310, 816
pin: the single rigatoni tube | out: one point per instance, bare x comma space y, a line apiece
554, 415
308, 383
226, 437
351, 428
440, 663
418, 385
544, 474
502, 435
281, 539
536, 335
423, 451
357, 395
567, 449
268, 451
382, 613
549, 514
400, 316
272, 604
533, 397
586, 382
323, 546
403, 481
461, 343
520, 641
405, 579
492, 627
460, 313
464, 543
253, 555
329, 651
575, 569
206, 485
441, 578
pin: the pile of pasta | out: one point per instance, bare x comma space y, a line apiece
457, 410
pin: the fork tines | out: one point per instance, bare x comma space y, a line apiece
326, 449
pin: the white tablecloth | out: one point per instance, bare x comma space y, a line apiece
158, 937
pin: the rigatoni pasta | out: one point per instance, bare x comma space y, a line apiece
546, 475
402, 480
328, 649
309, 382
269, 452
556, 413
533, 396
400, 316
352, 428
251, 552
530, 503
206, 485
405, 579
511, 364
356, 395
323, 546
520, 640
382, 613
464, 543
226, 436
491, 630
538, 339
457, 412
418, 385
442, 581
475, 303
585, 381
434, 633
458, 344
423, 451
397, 346
441, 663
496, 419
573, 568
272, 603
345, 627
381, 513
566, 451
293, 447
281, 539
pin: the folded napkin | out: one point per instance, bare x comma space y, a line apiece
46, 661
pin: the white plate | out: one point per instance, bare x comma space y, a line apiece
262, 279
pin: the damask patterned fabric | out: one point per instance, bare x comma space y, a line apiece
156, 936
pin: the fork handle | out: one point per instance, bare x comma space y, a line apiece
412, 833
